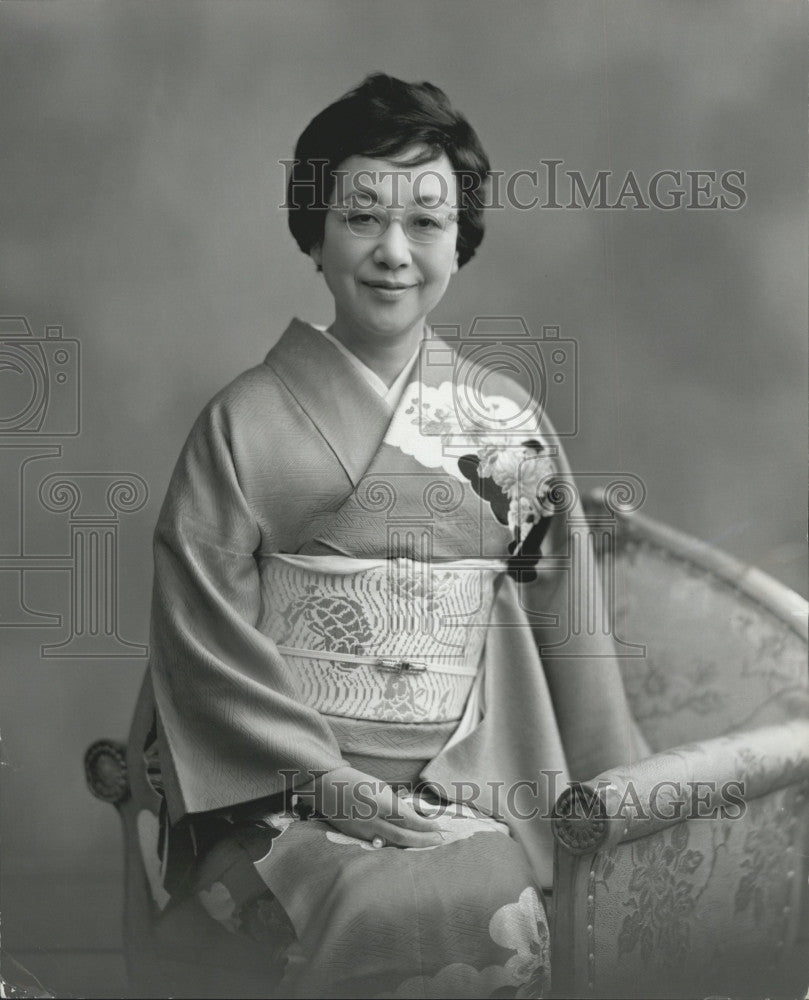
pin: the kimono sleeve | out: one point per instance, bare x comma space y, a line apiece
228, 721
594, 718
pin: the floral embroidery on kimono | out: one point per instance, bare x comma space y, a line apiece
273, 633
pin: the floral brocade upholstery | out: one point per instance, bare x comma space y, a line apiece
716, 659
696, 907
691, 902
661, 904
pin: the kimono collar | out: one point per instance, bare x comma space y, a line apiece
350, 415
391, 394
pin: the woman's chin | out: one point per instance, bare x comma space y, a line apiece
388, 324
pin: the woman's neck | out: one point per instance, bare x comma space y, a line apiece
385, 357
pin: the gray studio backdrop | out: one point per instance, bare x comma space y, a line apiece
139, 193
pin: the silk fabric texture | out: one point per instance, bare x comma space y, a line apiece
301, 455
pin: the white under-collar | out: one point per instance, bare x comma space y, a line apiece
390, 394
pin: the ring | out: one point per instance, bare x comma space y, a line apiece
378, 842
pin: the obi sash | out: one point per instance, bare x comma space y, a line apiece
381, 640
300, 456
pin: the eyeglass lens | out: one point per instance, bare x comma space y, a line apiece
420, 226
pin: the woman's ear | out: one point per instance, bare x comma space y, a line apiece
455, 264
316, 253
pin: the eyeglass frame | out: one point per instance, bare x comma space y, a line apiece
371, 209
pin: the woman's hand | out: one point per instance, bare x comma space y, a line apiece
361, 806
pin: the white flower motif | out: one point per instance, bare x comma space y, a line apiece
523, 474
427, 426
455, 821
522, 927
519, 927
220, 905
148, 835
279, 821
456, 980
423, 425
345, 839
494, 414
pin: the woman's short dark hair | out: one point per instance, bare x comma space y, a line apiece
380, 118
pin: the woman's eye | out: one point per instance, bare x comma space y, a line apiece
426, 222
362, 218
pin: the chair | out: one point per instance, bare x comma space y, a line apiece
651, 898
181, 951
678, 904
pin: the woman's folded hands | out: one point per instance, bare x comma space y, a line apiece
362, 806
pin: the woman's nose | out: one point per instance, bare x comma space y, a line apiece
393, 247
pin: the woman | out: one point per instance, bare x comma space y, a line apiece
346, 609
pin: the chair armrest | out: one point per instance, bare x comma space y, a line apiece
707, 779
644, 897
106, 772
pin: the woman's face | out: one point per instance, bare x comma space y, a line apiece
385, 284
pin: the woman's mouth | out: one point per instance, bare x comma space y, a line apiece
388, 290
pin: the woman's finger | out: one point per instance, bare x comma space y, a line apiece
399, 836
388, 834
403, 814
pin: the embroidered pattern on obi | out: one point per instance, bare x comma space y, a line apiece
431, 616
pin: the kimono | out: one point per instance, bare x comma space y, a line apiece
337, 582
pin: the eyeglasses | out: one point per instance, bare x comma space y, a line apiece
419, 225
